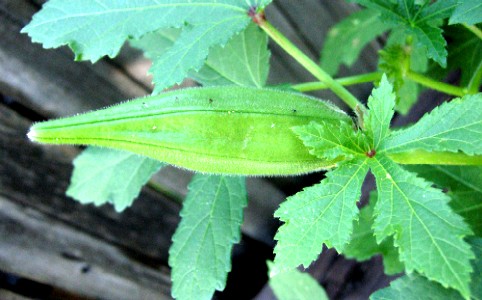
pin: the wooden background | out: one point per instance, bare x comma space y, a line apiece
54, 248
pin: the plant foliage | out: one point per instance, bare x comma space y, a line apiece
427, 233
93, 29
201, 251
410, 220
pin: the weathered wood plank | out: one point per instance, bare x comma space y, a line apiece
313, 19
7, 295
35, 75
37, 176
38, 247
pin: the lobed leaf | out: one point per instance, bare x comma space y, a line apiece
431, 38
468, 11
94, 28
465, 52
354, 33
454, 126
363, 244
437, 10
191, 49
418, 21
464, 186
243, 61
381, 104
476, 284
294, 284
388, 9
395, 60
427, 232
332, 140
321, 214
200, 255
417, 287
110, 176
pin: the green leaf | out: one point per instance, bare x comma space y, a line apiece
429, 35
388, 9
332, 140
454, 126
468, 11
110, 176
243, 61
293, 284
464, 186
476, 284
381, 104
354, 33
407, 96
191, 49
406, 9
321, 214
94, 28
437, 10
395, 61
363, 244
465, 52
200, 255
417, 287
427, 232
157, 43
419, 22
432, 39
398, 57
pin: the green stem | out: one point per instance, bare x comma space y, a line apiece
474, 84
345, 81
309, 64
474, 29
421, 157
435, 85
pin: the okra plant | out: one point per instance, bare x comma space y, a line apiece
424, 217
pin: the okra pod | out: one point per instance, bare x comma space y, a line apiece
222, 130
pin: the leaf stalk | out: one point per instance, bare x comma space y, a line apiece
345, 81
435, 85
309, 64
474, 29
421, 157
474, 84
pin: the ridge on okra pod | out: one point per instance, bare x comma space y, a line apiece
222, 130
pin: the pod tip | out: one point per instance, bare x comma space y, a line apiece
32, 135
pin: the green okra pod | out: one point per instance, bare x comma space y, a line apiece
224, 130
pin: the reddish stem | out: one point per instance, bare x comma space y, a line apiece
371, 153
257, 17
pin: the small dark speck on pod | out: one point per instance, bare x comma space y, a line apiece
72, 255
211, 100
85, 269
